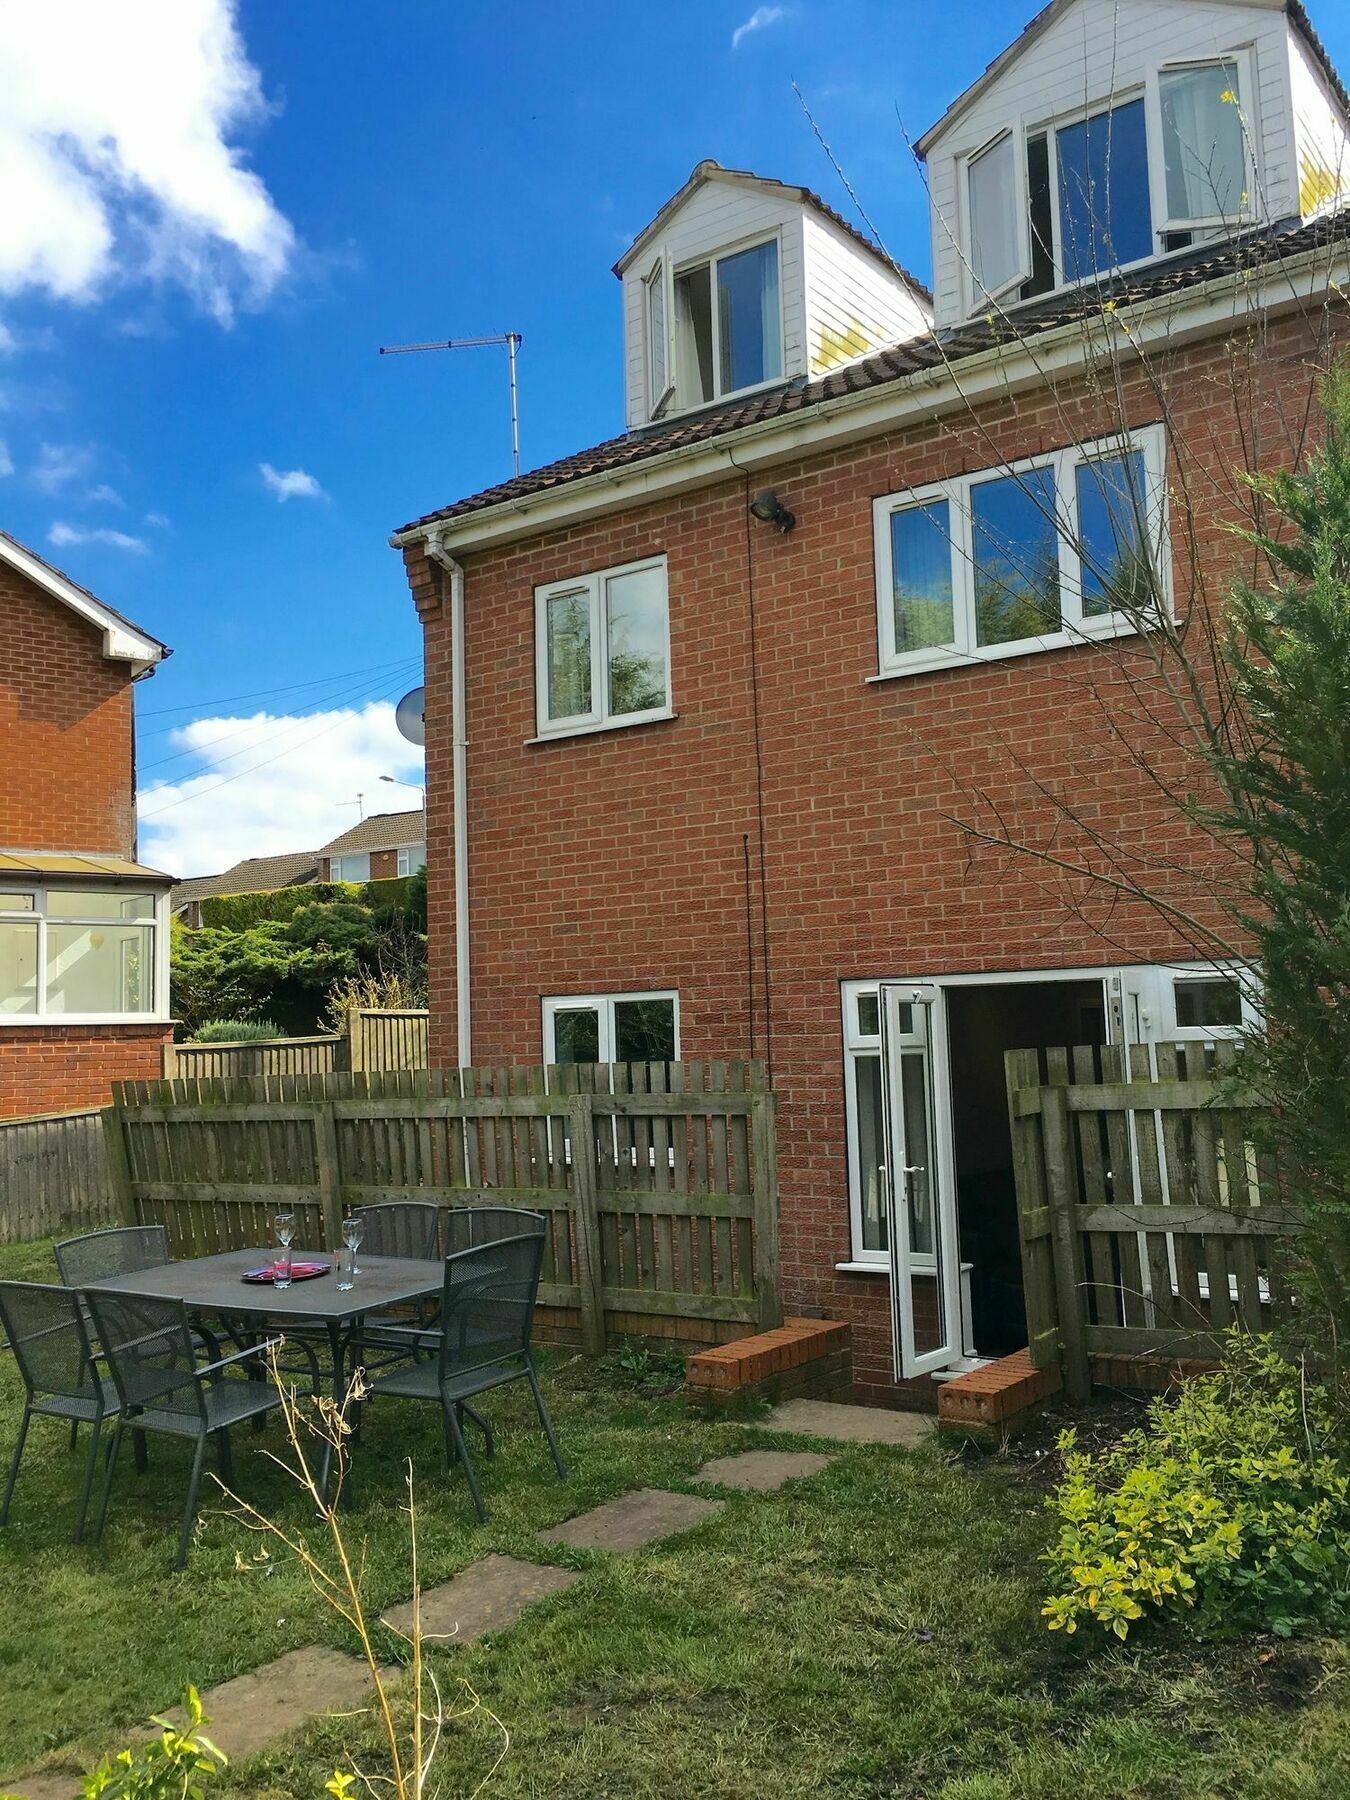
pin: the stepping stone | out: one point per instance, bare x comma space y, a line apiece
487, 1596
761, 1471
632, 1521
850, 1424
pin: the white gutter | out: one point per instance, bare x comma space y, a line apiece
1002, 370
459, 794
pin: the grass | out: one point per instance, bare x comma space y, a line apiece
870, 1632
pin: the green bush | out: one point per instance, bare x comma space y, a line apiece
240, 912
1231, 1510
235, 1031
173, 1767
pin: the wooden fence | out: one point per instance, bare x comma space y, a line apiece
658, 1180
373, 1040
53, 1177
1149, 1219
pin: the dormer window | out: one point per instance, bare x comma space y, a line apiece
658, 348
728, 325
1051, 204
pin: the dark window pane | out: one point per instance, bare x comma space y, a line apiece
693, 336
869, 1015
1213, 1003
644, 1031
747, 320
874, 1204
1103, 192
1118, 568
921, 568
1042, 218
576, 1035
1016, 549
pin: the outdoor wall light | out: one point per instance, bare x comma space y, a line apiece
770, 508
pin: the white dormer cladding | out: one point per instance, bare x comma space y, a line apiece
741, 283
1203, 116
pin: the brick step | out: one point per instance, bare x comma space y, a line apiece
998, 1400
800, 1357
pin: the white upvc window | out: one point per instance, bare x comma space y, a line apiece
996, 220
411, 858
355, 866
1036, 556
602, 649
606, 1028
864, 1099
76, 955
656, 316
1203, 174
727, 333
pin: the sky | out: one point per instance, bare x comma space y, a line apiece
216, 212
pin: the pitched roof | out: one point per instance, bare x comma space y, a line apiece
1170, 275
709, 170
1296, 11
381, 831
254, 875
122, 641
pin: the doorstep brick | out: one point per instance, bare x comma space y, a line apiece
800, 1356
1001, 1398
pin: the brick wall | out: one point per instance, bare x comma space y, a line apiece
59, 1068
730, 863
66, 746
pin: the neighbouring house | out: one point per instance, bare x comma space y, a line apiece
380, 848
719, 711
84, 967
254, 875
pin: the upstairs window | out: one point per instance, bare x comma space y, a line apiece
995, 241
728, 325
1060, 548
1103, 192
1204, 153
602, 654
658, 342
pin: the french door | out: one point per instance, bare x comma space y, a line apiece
921, 1235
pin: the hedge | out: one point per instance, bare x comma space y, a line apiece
237, 912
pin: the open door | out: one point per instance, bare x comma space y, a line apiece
925, 1276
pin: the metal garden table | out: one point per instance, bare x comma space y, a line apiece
215, 1284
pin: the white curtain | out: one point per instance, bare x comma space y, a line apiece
1202, 141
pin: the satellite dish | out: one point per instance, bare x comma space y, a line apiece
408, 716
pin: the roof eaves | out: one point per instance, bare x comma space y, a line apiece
1299, 19
123, 641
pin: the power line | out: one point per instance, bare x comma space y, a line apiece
293, 687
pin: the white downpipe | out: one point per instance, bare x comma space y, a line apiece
460, 795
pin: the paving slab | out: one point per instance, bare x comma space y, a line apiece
762, 1471
246, 1714
632, 1521
487, 1596
850, 1424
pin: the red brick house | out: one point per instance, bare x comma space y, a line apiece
84, 995
718, 710
380, 848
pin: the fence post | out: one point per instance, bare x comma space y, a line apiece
330, 1178
168, 1063
767, 1289
355, 1040
1070, 1293
590, 1271
119, 1166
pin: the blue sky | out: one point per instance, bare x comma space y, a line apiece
423, 170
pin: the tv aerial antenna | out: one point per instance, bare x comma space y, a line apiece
511, 339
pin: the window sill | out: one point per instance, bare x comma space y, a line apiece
574, 731
928, 663
56, 1020
862, 1268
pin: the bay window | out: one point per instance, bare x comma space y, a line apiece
1049, 551
602, 654
79, 953
728, 325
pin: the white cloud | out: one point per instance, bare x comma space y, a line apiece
104, 495
6, 460
760, 20
62, 534
156, 520
272, 783
290, 484
8, 342
116, 159
60, 464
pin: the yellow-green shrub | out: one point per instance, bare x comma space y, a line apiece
1232, 1509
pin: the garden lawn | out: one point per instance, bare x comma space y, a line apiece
871, 1631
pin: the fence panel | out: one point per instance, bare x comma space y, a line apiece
54, 1177
373, 1040
658, 1182
1149, 1222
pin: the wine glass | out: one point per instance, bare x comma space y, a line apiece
353, 1230
284, 1225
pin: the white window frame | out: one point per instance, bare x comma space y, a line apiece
658, 277
603, 1005
158, 1011
351, 856
858, 1046
978, 293
956, 492
1157, 173
710, 261
406, 865
598, 718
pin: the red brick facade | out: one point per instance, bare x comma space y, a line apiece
67, 783
797, 825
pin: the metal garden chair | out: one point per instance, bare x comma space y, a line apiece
123, 1250
46, 1330
163, 1388
483, 1342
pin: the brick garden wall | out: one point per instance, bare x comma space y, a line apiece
632, 859
60, 1068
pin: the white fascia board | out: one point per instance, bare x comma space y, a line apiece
121, 641
1171, 319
